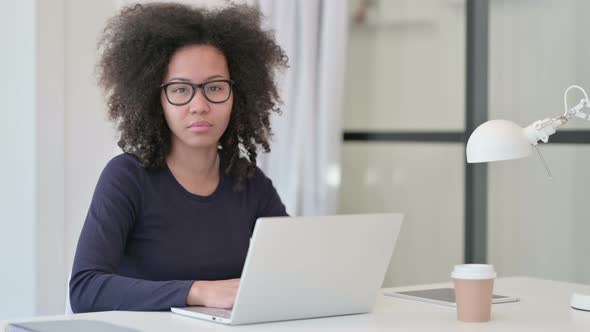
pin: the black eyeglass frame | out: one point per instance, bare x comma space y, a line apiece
199, 86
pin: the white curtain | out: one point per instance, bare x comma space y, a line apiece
304, 163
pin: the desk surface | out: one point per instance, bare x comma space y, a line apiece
544, 306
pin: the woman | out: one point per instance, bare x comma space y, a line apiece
169, 224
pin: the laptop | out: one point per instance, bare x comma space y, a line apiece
307, 267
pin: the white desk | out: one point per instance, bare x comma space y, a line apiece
544, 306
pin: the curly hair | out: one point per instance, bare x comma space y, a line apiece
136, 47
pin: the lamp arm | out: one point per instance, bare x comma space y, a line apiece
542, 129
576, 110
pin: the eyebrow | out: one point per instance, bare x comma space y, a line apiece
182, 79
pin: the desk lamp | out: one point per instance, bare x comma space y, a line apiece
498, 140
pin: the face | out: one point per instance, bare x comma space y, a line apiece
199, 123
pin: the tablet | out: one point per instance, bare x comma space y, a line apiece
442, 296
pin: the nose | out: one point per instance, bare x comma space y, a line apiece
199, 104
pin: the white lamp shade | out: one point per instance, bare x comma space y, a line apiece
497, 140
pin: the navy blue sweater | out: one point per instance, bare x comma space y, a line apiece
146, 239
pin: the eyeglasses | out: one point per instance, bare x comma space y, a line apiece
181, 93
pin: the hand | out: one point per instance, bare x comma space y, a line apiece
215, 294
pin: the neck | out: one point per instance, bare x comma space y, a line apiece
199, 163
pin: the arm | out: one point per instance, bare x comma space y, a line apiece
94, 286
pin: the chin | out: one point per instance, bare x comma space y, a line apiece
196, 141
201, 144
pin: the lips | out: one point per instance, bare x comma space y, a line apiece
200, 127
200, 123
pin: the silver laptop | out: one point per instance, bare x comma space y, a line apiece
305, 267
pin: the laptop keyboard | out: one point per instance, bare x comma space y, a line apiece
223, 313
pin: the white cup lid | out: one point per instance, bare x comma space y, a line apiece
473, 271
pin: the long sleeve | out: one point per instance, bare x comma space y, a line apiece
94, 284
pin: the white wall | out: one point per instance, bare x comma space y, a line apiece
425, 182
90, 140
17, 166
539, 227
406, 67
406, 72
49, 149
54, 142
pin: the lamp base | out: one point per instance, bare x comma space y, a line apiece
580, 302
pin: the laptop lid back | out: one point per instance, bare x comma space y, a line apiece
303, 267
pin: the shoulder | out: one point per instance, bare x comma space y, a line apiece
269, 201
260, 191
255, 185
259, 180
124, 168
260, 185
124, 163
252, 182
122, 180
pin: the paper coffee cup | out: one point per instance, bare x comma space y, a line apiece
474, 285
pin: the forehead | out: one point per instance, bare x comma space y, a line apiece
197, 63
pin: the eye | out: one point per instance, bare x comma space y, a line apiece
180, 89
214, 88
